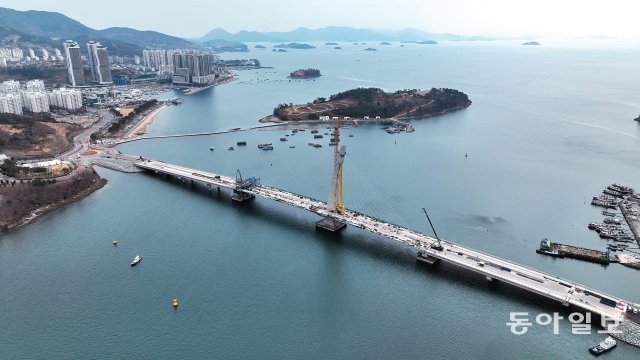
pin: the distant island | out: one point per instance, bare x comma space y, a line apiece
305, 74
219, 45
331, 43
260, 46
385, 43
294, 45
530, 43
337, 47
370, 49
372, 103
424, 42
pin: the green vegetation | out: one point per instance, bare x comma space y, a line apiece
305, 73
121, 121
372, 102
294, 45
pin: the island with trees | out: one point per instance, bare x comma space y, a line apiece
531, 43
374, 103
305, 74
294, 45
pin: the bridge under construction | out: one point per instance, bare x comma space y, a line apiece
335, 216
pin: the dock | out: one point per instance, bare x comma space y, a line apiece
631, 211
575, 252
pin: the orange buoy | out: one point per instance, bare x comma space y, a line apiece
174, 303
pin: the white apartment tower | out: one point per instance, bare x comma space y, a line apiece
10, 103
35, 101
66, 98
10, 87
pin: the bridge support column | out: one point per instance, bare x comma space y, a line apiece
241, 196
427, 259
330, 224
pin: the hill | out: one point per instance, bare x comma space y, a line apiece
50, 29
333, 33
374, 102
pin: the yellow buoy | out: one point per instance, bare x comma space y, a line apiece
115, 242
175, 303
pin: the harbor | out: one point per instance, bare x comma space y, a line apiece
621, 230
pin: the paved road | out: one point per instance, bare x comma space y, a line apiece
548, 285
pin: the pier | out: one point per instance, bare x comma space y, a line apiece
631, 211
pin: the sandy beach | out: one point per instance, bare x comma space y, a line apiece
141, 128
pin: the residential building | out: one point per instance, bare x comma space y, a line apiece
73, 60
192, 68
3, 61
35, 101
32, 53
10, 103
99, 63
10, 87
45, 54
66, 98
34, 85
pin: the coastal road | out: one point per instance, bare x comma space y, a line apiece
81, 141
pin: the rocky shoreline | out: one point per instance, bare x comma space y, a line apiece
25, 216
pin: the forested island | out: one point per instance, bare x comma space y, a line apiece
531, 43
372, 103
294, 45
305, 74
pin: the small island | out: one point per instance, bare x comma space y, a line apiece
260, 47
425, 42
337, 47
530, 43
294, 45
331, 43
305, 74
385, 43
374, 103
370, 49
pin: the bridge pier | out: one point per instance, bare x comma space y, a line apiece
241, 196
330, 224
428, 259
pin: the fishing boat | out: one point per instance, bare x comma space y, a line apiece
136, 260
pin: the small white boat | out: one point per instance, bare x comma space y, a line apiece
136, 260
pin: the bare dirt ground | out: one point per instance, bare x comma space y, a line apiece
306, 109
42, 139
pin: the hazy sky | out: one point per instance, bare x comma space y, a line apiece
193, 18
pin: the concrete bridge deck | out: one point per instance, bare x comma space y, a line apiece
492, 267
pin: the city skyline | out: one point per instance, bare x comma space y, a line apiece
495, 18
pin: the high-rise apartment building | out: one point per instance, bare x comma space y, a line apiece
66, 98
193, 68
10, 103
34, 85
35, 101
10, 87
73, 60
99, 63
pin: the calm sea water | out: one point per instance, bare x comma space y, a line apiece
549, 127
